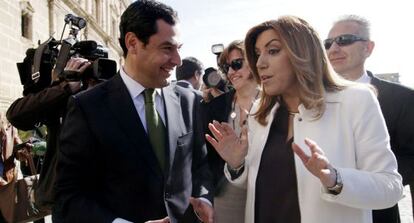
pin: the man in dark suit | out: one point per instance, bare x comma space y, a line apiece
110, 168
348, 46
189, 73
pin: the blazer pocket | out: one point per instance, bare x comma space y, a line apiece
184, 140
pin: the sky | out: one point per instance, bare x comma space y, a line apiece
207, 22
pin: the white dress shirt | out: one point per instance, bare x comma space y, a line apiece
364, 78
135, 90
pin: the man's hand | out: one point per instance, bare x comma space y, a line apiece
210, 93
164, 220
78, 65
203, 210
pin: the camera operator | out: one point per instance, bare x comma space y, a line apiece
212, 90
47, 107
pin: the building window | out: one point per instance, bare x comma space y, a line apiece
98, 11
114, 28
27, 26
26, 19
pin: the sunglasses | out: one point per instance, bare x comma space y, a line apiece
342, 40
235, 64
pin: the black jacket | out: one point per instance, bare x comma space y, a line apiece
397, 105
107, 167
44, 107
218, 109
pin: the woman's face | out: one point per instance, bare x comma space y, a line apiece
273, 65
238, 77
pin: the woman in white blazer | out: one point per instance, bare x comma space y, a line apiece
316, 149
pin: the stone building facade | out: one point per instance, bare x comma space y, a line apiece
393, 77
25, 23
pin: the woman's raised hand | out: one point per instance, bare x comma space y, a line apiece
230, 147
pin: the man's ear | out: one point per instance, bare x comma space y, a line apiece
369, 48
132, 43
196, 75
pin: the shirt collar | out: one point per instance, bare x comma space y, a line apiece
133, 86
364, 78
189, 84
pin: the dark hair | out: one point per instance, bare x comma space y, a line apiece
209, 70
188, 67
140, 18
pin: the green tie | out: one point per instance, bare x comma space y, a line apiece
155, 127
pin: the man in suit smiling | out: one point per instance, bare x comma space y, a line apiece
112, 168
348, 46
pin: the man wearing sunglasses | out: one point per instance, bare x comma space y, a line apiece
348, 46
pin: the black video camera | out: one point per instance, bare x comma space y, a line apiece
36, 68
212, 78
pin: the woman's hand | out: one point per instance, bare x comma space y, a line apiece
316, 163
229, 146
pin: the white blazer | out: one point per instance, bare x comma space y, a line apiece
353, 135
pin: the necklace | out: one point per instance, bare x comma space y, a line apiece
233, 114
291, 113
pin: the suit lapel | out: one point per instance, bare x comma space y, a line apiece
123, 109
175, 123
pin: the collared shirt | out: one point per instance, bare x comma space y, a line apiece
364, 78
135, 90
187, 82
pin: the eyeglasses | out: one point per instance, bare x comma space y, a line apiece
342, 40
235, 64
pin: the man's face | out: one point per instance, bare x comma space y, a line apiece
197, 77
153, 63
348, 60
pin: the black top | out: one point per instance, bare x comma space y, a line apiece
217, 109
276, 186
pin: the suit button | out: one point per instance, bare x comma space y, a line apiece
299, 119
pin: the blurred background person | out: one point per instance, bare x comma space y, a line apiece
343, 166
214, 84
233, 107
348, 46
189, 73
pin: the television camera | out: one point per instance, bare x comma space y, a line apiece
36, 69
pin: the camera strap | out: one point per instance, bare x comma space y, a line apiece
37, 60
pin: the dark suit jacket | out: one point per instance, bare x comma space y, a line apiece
397, 105
217, 109
107, 167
